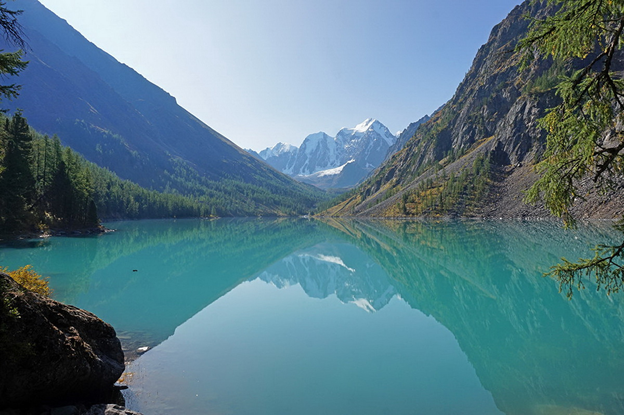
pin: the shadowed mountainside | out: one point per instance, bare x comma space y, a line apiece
116, 118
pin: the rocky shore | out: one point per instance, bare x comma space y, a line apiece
54, 358
55, 232
98, 409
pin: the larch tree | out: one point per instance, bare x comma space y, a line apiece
585, 131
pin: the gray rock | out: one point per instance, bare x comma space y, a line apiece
53, 353
110, 410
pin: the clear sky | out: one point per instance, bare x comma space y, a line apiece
264, 71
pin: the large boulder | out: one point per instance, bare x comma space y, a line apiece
52, 353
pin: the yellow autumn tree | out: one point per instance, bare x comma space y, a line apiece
29, 279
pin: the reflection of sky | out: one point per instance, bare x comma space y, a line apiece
261, 350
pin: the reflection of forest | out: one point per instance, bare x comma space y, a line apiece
188, 266
182, 266
537, 352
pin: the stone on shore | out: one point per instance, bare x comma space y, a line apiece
110, 410
52, 353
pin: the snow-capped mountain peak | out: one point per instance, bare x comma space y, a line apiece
370, 127
366, 125
346, 158
277, 150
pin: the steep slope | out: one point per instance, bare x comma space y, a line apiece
405, 135
475, 156
119, 120
334, 162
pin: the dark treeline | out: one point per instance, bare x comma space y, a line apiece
46, 185
122, 199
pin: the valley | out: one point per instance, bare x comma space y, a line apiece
359, 271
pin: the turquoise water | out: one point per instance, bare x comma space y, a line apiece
354, 317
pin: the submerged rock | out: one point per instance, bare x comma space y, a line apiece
52, 353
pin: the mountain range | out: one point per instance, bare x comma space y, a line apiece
475, 156
116, 118
334, 162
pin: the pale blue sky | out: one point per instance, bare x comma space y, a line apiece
263, 71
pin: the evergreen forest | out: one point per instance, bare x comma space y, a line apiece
47, 185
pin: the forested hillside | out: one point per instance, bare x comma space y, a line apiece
46, 185
117, 119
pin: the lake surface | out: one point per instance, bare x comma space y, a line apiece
346, 317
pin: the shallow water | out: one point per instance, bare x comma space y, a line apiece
346, 317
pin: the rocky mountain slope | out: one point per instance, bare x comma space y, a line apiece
405, 135
334, 162
119, 120
475, 156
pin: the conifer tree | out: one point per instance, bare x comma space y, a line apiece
586, 130
17, 183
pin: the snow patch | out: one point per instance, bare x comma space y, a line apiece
335, 260
364, 304
334, 171
365, 126
277, 150
331, 259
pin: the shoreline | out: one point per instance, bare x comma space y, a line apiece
79, 232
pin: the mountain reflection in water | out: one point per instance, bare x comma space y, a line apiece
470, 293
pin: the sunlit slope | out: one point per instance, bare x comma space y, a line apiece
475, 156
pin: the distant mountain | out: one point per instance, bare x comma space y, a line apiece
119, 120
476, 155
281, 156
334, 162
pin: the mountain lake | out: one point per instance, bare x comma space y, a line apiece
297, 316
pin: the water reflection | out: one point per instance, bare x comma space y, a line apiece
262, 350
148, 277
478, 282
339, 269
534, 350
